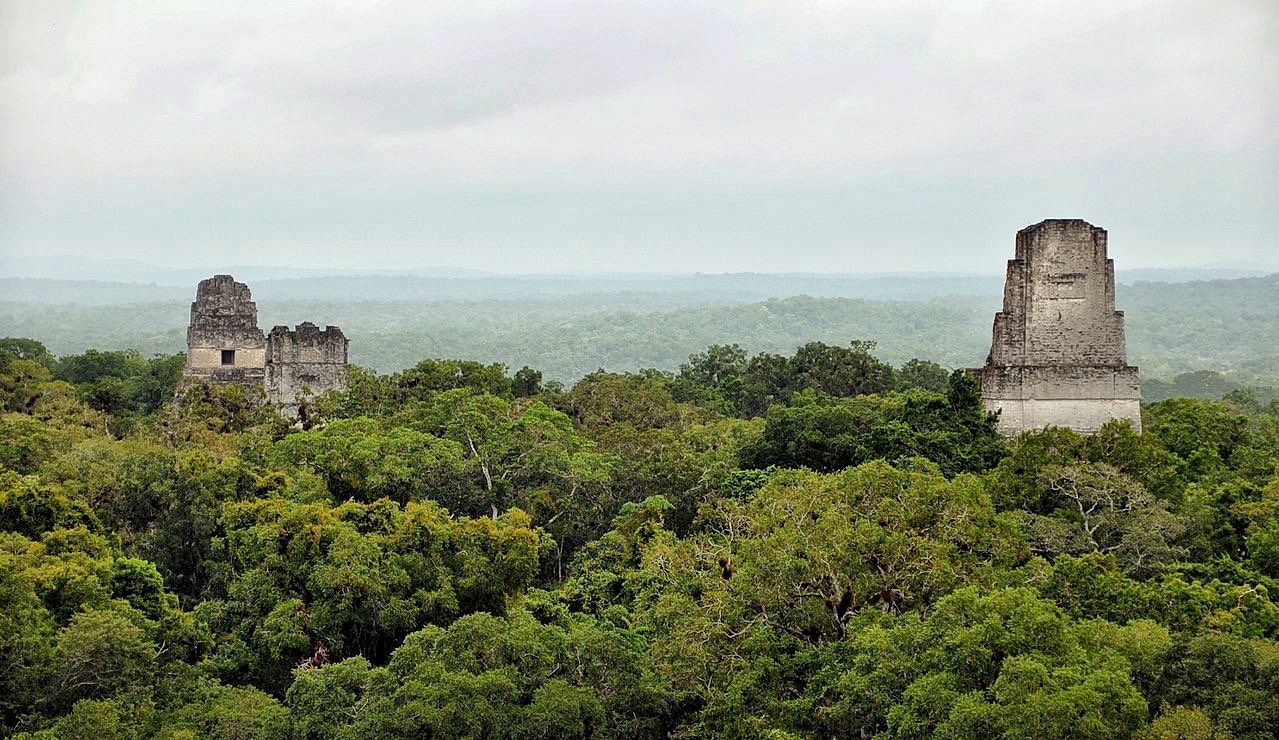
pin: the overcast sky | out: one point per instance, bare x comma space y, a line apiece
775, 135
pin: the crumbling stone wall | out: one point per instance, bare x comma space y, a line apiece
302, 360
225, 345
1057, 355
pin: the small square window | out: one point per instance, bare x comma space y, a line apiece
228, 357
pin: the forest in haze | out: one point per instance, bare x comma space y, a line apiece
569, 326
812, 543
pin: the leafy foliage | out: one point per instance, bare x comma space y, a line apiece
808, 545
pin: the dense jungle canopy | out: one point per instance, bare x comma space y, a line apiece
816, 543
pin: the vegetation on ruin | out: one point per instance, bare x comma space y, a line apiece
808, 543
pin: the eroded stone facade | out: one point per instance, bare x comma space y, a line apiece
304, 359
1057, 355
225, 345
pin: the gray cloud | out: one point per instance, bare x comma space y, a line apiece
654, 135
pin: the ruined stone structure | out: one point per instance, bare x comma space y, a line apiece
225, 345
1057, 357
302, 358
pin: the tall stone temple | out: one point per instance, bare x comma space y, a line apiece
225, 345
1057, 357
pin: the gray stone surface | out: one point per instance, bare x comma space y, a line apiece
304, 361
224, 319
1057, 355
225, 345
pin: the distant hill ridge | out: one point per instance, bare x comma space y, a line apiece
64, 267
692, 287
568, 330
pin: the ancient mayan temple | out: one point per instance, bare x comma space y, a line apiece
225, 345
1057, 357
306, 357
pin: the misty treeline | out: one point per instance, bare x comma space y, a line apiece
569, 328
808, 544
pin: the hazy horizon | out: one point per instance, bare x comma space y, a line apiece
617, 137
74, 268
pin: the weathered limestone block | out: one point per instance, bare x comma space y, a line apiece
1057, 355
307, 359
224, 343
